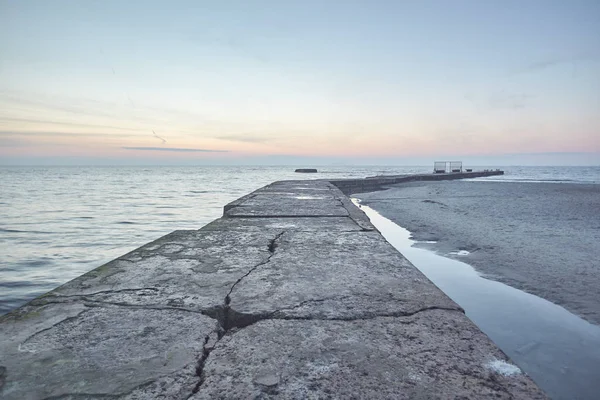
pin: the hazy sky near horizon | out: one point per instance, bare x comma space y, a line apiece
200, 80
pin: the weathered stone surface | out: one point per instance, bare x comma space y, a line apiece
58, 350
288, 205
293, 294
342, 275
431, 355
290, 199
266, 227
191, 270
375, 183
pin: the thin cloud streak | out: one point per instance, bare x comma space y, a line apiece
175, 149
65, 134
244, 138
57, 122
556, 61
158, 137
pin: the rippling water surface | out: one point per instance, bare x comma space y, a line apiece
58, 222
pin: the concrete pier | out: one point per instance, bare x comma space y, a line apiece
349, 186
293, 294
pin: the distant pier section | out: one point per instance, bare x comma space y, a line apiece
292, 294
371, 184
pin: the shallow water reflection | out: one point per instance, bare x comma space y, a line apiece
559, 350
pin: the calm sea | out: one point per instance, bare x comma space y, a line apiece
57, 223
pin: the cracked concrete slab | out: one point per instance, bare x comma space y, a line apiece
292, 294
186, 269
431, 355
336, 276
61, 350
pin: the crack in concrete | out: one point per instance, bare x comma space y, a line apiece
303, 303
74, 317
368, 316
96, 303
90, 304
271, 247
200, 366
239, 320
388, 297
226, 303
223, 315
99, 303
228, 319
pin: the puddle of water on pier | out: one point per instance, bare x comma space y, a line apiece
559, 350
309, 198
460, 253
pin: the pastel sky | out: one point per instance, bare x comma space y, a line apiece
227, 80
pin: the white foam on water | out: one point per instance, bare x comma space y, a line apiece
503, 368
460, 253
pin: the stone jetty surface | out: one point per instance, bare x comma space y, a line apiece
293, 294
374, 183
